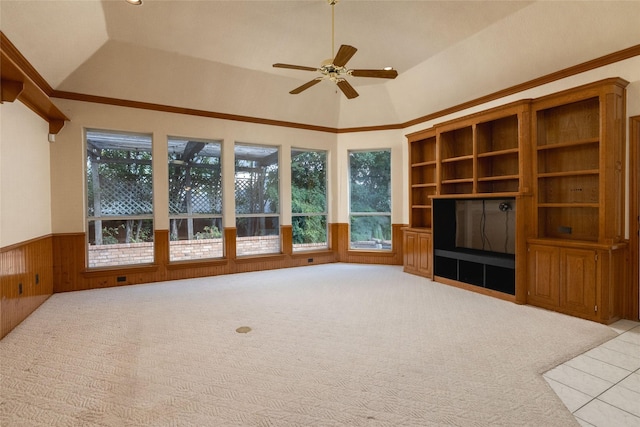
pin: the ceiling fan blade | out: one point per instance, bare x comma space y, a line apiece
347, 89
382, 74
305, 86
295, 67
344, 55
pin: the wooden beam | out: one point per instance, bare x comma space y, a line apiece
55, 125
11, 89
34, 92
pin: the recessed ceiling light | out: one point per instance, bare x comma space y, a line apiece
134, 2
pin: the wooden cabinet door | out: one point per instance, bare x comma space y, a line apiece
544, 285
410, 250
578, 281
425, 254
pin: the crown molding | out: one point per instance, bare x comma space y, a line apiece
20, 70
183, 110
602, 61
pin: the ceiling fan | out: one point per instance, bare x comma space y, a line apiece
335, 69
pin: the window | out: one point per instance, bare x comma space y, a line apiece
195, 199
309, 199
257, 200
119, 198
370, 199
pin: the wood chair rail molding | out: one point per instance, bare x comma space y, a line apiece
39, 89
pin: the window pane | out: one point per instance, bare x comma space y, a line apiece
258, 235
308, 181
371, 232
119, 198
195, 177
123, 242
257, 190
309, 196
370, 199
195, 238
309, 232
195, 199
370, 179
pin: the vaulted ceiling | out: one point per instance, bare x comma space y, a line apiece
218, 55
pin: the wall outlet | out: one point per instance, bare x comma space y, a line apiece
121, 279
19, 288
37, 278
310, 260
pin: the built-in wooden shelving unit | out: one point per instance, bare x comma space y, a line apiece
556, 165
577, 253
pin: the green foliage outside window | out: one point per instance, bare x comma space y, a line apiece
309, 196
370, 192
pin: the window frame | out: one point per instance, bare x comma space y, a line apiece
218, 217
325, 213
277, 215
357, 214
89, 219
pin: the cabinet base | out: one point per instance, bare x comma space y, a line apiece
476, 289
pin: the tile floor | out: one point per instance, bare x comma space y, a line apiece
602, 386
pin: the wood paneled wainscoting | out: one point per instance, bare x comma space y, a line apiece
26, 277
70, 273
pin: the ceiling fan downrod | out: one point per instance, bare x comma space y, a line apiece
333, 27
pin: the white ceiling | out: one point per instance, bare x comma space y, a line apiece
256, 34
218, 55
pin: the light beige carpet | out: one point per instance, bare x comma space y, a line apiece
329, 345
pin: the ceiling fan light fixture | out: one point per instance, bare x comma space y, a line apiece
335, 69
134, 2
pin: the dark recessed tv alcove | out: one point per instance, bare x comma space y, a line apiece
474, 242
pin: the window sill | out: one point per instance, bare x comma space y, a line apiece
245, 259
197, 263
374, 253
118, 269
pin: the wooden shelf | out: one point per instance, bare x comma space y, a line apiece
568, 144
457, 159
499, 178
429, 163
569, 205
499, 153
503, 195
458, 181
569, 173
422, 177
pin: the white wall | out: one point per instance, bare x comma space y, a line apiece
25, 186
